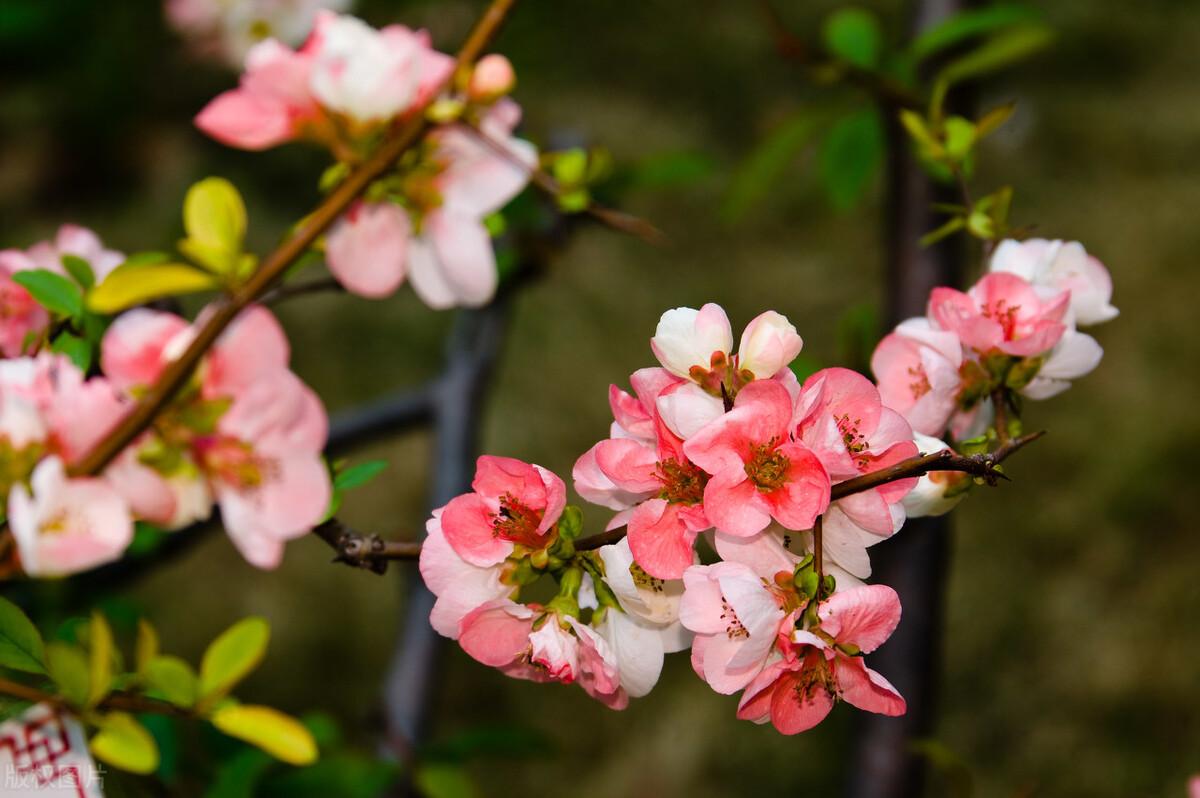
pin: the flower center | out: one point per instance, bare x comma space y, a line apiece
1004, 315
767, 466
234, 462
518, 522
733, 627
645, 581
856, 443
920, 384
682, 483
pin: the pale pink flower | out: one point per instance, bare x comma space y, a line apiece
492, 78
1193, 786
690, 342
758, 471
460, 587
226, 29
736, 617
797, 691
1001, 312
777, 549
1054, 266
22, 319
368, 247
67, 525
1075, 355
769, 343
917, 369
513, 503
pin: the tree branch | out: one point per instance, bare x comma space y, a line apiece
369, 552
120, 701
276, 263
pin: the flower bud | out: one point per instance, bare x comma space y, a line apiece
492, 78
769, 343
687, 338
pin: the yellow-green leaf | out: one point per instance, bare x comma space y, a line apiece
132, 284
233, 655
214, 217
21, 646
280, 735
100, 663
69, 669
174, 678
147, 644
124, 743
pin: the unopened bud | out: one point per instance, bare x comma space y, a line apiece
492, 78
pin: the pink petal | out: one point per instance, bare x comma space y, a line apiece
660, 542
368, 247
862, 687
496, 633
865, 616
467, 523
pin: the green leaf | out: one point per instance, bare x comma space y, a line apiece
996, 54
130, 285
147, 259
756, 174
174, 678
21, 646
570, 167
358, 474
52, 291
77, 350
124, 743
147, 645
960, 137
80, 270
69, 669
850, 156
968, 24
444, 780
100, 658
214, 217
233, 655
853, 35
280, 735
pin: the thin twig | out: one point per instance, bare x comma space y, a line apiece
617, 220
275, 264
357, 550
292, 290
119, 701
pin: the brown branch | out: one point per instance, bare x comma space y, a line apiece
118, 701
609, 217
291, 290
373, 553
979, 465
370, 552
275, 264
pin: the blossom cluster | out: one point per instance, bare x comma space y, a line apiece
245, 434
345, 88
729, 447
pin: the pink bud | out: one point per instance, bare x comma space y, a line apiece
493, 78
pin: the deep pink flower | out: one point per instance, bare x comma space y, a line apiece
1001, 312
917, 369
797, 691
460, 587
512, 503
758, 471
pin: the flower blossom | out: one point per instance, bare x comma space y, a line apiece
1002, 312
797, 690
21, 317
226, 29
249, 435
1053, 266
917, 367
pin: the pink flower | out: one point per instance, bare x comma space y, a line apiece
253, 431
346, 69
513, 503
758, 471
1054, 266
736, 617
501, 634
690, 342
769, 343
841, 418
917, 369
492, 78
460, 587
226, 31
1075, 355
67, 525
368, 247
21, 318
1001, 312
660, 492
797, 691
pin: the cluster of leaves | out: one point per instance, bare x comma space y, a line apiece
84, 671
214, 220
849, 134
75, 329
